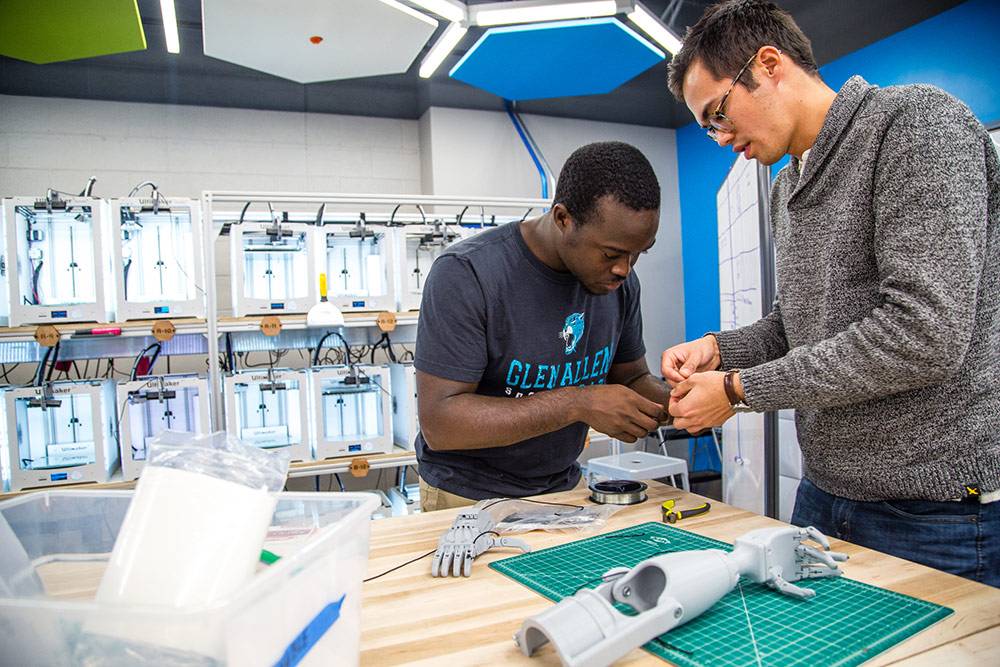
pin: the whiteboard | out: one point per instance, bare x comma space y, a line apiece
738, 206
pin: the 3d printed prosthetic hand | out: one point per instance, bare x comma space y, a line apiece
479, 528
472, 533
669, 590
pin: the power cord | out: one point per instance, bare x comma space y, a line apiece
414, 560
319, 346
155, 349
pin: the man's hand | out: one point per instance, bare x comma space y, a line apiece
680, 362
619, 412
700, 402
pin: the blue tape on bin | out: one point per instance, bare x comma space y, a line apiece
311, 634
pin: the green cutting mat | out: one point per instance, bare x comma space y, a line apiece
847, 623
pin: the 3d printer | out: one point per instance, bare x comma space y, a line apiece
157, 258
420, 245
60, 433
273, 268
269, 408
359, 261
57, 262
150, 405
405, 419
353, 410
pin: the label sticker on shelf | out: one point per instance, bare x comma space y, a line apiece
46, 335
164, 330
360, 467
386, 321
270, 326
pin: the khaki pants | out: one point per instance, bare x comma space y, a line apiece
433, 499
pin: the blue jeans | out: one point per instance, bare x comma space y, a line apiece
962, 538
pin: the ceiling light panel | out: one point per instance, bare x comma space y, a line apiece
316, 40
449, 39
450, 10
650, 24
531, 11
169, 14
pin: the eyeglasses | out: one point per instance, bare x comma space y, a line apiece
718, 121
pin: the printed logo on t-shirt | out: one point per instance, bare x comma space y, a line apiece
525, 377
572, 332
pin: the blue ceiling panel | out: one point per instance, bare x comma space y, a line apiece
558, 59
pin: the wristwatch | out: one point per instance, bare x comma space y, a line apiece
735, 402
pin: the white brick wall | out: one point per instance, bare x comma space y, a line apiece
59, 143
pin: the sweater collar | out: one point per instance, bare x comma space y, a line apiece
845, 105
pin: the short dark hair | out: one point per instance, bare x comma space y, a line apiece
729, 32
606, 168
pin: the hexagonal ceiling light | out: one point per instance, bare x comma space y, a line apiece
316, 40
557, 59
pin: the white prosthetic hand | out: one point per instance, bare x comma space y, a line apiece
669, 590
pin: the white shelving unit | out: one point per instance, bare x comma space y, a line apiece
213, 335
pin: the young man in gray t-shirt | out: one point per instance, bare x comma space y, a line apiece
531, 331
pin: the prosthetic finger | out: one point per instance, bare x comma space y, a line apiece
447, 560
821, 556
782, 586
818, 571
813, 534
442, 559
436, 563
467, 562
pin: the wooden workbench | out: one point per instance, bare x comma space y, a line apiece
409, 617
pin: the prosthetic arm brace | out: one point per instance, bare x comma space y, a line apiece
669, 590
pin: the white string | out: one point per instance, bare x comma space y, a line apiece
749, 624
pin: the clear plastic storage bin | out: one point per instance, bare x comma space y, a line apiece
303, 609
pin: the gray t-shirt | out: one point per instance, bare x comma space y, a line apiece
494, 314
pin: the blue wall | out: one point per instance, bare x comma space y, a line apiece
958, 50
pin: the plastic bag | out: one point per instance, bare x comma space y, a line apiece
515, 515
221, 456
193, 531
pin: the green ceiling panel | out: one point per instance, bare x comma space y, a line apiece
49, 31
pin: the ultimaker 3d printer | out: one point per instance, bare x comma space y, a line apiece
60, 433
158, 260
269, 409
57, 261
150, 405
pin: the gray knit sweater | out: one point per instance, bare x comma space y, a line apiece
885, 336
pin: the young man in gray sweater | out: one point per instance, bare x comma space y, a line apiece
885, 336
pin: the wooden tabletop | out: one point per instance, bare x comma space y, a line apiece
409, 617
